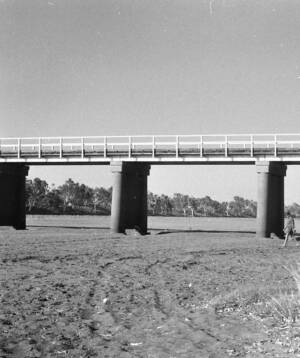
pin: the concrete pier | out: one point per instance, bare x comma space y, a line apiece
270, 198
129, 198
12, 195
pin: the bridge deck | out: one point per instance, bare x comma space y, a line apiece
227, 148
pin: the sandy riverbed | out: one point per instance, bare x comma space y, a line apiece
82, 292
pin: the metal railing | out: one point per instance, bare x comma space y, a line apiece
196, 147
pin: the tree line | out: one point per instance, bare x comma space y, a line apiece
76, 198
69, 198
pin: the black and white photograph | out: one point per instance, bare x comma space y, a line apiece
149, 178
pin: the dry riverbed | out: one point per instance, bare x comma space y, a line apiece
71, 292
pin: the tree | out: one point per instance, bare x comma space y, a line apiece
84, 196
54, 201
241, 207
36, 192
294, 209
80, 198
166, 205
102, 198
178, 203
151, 202
68, 192
207, 206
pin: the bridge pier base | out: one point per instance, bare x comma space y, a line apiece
12, 195
129, 197
270, 198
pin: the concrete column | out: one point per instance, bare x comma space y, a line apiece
118, 200
270, 198
12, 195
129, 197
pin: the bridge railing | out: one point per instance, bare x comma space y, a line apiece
158, 146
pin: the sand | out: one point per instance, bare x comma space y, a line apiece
79, 292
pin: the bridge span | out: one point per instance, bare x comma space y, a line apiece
131, 157
159, 149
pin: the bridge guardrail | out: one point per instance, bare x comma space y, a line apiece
151, 147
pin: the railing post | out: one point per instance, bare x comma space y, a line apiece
226, 146
40, 149
105, 147
201, 146
153, 146
177, 145
60, 147
82, 147
275, 145
129, 146
19, 148
251, 146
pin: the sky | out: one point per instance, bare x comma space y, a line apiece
126, 67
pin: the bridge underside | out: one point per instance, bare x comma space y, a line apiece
129, 202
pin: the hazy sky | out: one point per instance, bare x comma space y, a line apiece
104, 67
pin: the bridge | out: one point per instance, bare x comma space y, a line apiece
130, 159
164, 149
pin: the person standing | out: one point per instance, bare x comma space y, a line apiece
289, 228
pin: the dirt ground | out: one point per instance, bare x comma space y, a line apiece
70, 292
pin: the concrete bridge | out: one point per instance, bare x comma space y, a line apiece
130, 159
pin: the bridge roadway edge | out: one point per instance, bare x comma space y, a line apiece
152, 161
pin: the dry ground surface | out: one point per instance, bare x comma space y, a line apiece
82, 292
